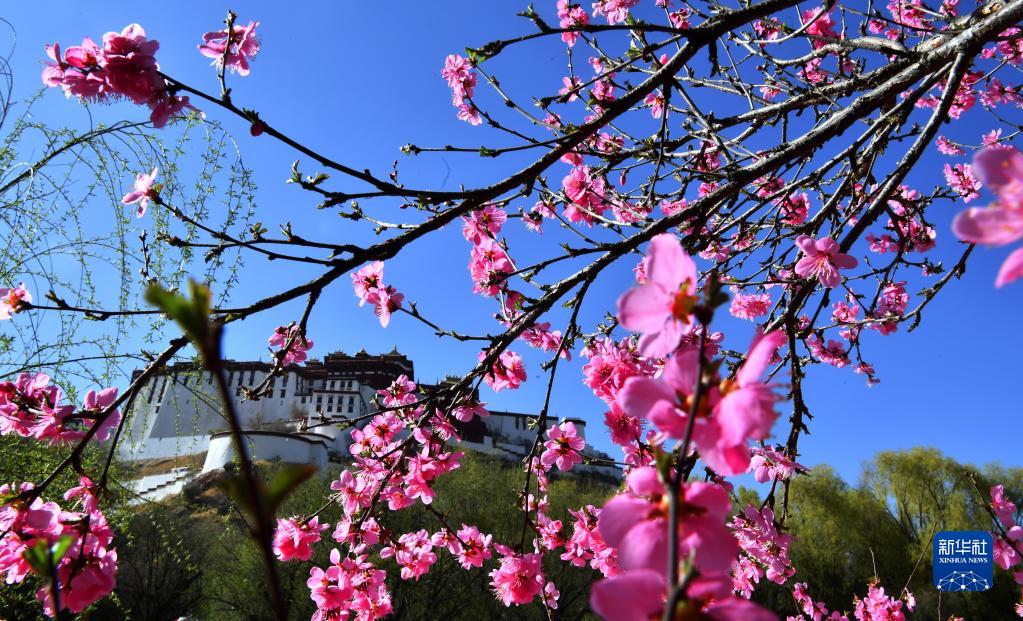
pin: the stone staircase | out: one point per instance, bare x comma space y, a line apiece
159, 486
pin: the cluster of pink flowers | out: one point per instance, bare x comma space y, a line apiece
586, 194
636, 524
13, 300
814, 611
294, 538
587, 545
293, 345
616, 11
1001, 171
765, 551
750, 305
961, 179
86, 572
770, 464
563, 447
728, 415
571, 16
611, 363
1008, 537
232, 50
489, 262
413, 552
125, 67
519, 578
877, 606
731, 412
508, 371
383, 475
461, 78
543, 338
31, 408
369, 287
349, 587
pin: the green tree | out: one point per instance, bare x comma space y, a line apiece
846, 535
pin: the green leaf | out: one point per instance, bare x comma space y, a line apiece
236, 489
60, 548
44, 558
286, 481
193, 315
38, 558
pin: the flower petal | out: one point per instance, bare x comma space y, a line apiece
995, 226
1012, 269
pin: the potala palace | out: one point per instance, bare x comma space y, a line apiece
176, 430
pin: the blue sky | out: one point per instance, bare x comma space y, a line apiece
359, 80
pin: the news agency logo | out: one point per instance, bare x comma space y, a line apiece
963, 560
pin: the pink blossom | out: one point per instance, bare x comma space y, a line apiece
130, 66
469, 113
656, 103
571, 16
459, 75
165, 106
413, 552
636, 524
794, 208
822, 260
960, 178
769, 464
369, 287
1004, 551
368, 281
631, 596
750, 306
762, 544
610, 365
79, 72
616, 11
13, 300
997, 93
235, 50
294, 538
388, 301
821, 26
86, 572
727, 416
542, 337
570, 92
1004, 508
93, 405
1001, 171
834, 353
474, 547
878, 607
296, 352
143, 192
624, 429
661, 309
483, 223
489, 267
508, 371
518, 579
563, 447
586, 192
947, 147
